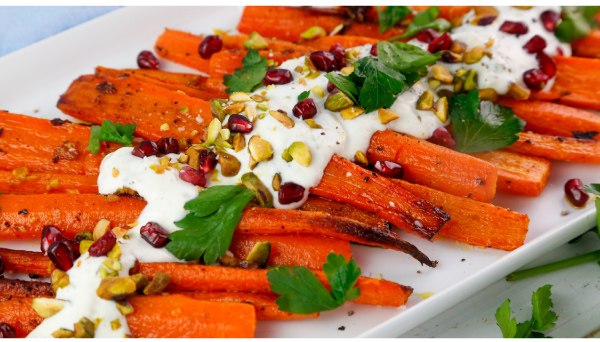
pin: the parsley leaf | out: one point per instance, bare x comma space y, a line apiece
209, 226
576, 23
344, 84
381, 84
542, 318
426, 19
405, 58
301, 292
391, 15
253, 71
110, 131
482, 126
507, 325
303, 95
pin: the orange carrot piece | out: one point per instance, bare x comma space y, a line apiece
18, 313
214, 278
473, 222
293, 249
39, 183
156, 110
179, 316
348, 211
324, 43
20, 288
588, 46
264, 304
553, 118
518, 174
215, 85
435, 166
448, 12
181, 47
26, 262
558, 148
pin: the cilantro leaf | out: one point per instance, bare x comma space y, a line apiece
481, 125
592, 189
344, 84
301, 292
426, 19
209, 226
110, 131
576, 23
523, 329
543, 317
391, 15
381, 84
405, 58
507, 325
253, 71
303, 95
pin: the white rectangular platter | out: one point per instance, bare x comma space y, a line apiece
32, 79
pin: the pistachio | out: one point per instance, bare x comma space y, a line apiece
255, 41
262, 106
104, 273
458, 47
47, 307
193, 157
260, 149
239, 97
225, 134
183, 158
230, 166
164, 127
442, 74
470, 80
360, 158
260, 254
313, 32
336, 101
425, 101
351, 112
461, 72
116, 288
115, 325
458, 84
112, 264
263, 195
276, 183
216, 108
386, 116
456, 22
518, 92
485, 15
158, 284
441, 109
473, 55
286, 155
184, 110
488, 94
251, 113
433, 83
352, 54
313, 124
488, 54
63, 333
101, 228
317, 90
451, 57
85, 235
485, 10
347, 70
84, 328
140, 280
212, 133
59, 279
252, 163
84, 246
234, 108
282, 117
336, 30
115, 253
124, 307
313, 74
119, 232
300, 153
239, 142
299, 69
259, 98
220, 142
489, 43
309, 65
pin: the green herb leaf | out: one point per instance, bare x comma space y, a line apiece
426, 19
523, 329
405, 58
482, 126
302, 293
543, 317
592, 189
381, 84
253, 71
303, 95
209, 226
391, 15
110, 131
576, 23
344, 84
507, 325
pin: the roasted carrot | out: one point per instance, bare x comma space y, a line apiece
214, 278
435, 166
158, 112
26, 262
553, 118
335, 208
225, 62
518, 173
292, 249
20, 288
448, 12
558, 148
588, 46
264, 304
215, 85
181, 47
324, 43
12, 182
179, 316
477, 223
18, 313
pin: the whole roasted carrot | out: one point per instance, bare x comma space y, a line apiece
18, 313
518, 173
12, 182
558, 148
588, 46
435, 166
340, 209
20, 288
26, 262
179, 316
158, 112
553, 118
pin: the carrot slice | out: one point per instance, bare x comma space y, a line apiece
181, 47
473, 222
553, 118
39, 183
558, 148
26, 262
214, 278
20, 288
324, 43
518, 173
158, 112
18, 313
588, 46
179, 316
435, 166
348, 211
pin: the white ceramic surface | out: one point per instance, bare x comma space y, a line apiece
33, 78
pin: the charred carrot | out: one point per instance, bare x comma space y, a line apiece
20, 288
158, 112
292, 249
473, 222
558, 148
264, 304
518, 173
588, 46
26, 262
214, 278
335, 208
324, 43
553, 118
18, 313
15, 182
435, 166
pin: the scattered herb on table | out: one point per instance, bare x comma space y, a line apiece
246, 79
109, 131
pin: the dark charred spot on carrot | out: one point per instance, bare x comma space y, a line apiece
58, 122
23, 212
106, 87
480, 181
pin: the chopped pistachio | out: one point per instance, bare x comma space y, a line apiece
313, 32
313, 124
158, 283
63, 333
271, 62
260, 254
260, 149
101, 228
230, 165
470, 80
360, 158
164, 127
283, 118
458, 84
112, 264
184, 110
347, 70
140, 280
488, 94
216, 108
85, 235
119, 232
461, 72
313, 74
309, 65
456, 22
336, 101
271, 87
220, 142
193, 156
115, 325
220, 32
299, 69
518, 92
183, 158
286, 156
433, 83
262, 106
47, 307
262, 194
115, 253
386, 116
488, 54
239, 142
225, 133
214, 128
458, 47
234, 108
352, 54
262, 116
239, 97
337, 30
251, 162
259, 98
104, 273
300, 153
276, 183
84, 328
473, 55
256, 41
59, 279
84, 246
351, 112
124, 307
317, 90
251, 113
442, 74
489, 43
441, 109
116, 288
425, 101
485, 10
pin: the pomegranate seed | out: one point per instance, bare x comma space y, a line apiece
278, 76
323, 60
427, 35
331, 87
575, 193
193, 176
155, 235
290, 193
239, 124
168, 145
210, 45
442, 137
389, 169
535, 79
146, 60
374, 50
560, 51
546, 63
514, 27
103, 245
50, 234
208, 161
549, 19
1, 265
535, 44
7, 331
146, 148
443, 42
61, 255
305, 109
339, 53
